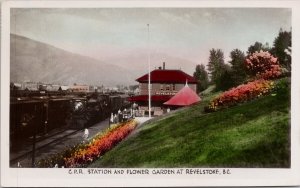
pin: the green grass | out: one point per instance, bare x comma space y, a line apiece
254, 134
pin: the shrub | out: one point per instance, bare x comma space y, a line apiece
263, 65
282, 89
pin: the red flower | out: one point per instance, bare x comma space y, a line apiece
99, 145
242, 93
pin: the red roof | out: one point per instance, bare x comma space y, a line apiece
186, 96
156, 98
167, 76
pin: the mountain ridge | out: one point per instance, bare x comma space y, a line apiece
41, 62
38, 61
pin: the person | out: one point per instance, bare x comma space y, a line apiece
19, 165
116, 119
112, 118
131, 113
86, 134
134, 106
125, 115
120, 117
168, 110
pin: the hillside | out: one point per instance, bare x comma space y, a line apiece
134, 62
253, 134
36, 61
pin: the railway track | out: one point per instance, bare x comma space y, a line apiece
40, 145
55, 143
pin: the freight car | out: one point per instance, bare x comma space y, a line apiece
25, 115
67, 111
118, 102
36, 115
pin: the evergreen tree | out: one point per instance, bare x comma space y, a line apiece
257, 46
220, 73
281, 43
238, 67
201, 76
215, 64
226, 79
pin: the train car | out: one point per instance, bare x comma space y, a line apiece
40, 114
57, 113
118, 102
26, 119
96, 108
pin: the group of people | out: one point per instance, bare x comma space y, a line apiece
121, 116
115, 118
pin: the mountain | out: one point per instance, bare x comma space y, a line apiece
40, 62
138, 62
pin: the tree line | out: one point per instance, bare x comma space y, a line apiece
226, 75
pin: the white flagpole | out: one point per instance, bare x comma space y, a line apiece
149, 77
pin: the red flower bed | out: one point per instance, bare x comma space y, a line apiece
99, 145
242, 93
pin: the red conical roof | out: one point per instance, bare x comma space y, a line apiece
186, 96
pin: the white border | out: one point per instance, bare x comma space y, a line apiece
59, 177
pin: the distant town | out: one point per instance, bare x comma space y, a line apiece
42, 87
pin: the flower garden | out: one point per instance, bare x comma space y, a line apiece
263, 67
83, 154
242, 93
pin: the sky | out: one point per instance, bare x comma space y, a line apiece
188, 33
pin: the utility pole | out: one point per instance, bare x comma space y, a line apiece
149, 76
35, 121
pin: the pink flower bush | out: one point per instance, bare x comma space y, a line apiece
242, 93
263, 65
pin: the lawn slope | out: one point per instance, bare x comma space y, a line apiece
254, 134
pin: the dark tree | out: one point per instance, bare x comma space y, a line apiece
256, 47
281, 43
238, 67
215, 64
226, 79
220, 73
201, 76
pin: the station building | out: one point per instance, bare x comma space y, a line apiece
164, 83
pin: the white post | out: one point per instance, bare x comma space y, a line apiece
149, 77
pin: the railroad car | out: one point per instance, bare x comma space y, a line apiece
42, 113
